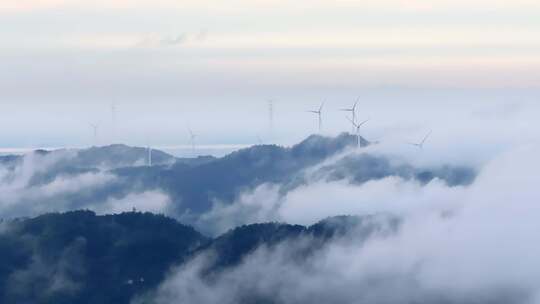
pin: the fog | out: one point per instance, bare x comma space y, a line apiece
457, 117
167, 151
467, 233
456, 245
43, 183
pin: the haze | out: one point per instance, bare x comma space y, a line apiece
212, 65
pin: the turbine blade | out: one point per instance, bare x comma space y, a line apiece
365, 121
425, 138
354, 124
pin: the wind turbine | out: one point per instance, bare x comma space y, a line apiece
271, 116
113, 122
192, 137
421, 144
95, 128
149, 156
319, 114
353, 111
357, 128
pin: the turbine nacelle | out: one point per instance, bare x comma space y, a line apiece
192, 137
353, 111
420, 145
95, 129
357, 128
319, 114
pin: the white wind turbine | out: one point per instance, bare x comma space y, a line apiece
113, 122
95, 127
353, 111
192, 137
319, 114
149, 156
357, 129
271, 117
420, 145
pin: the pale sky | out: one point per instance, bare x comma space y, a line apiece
212, 65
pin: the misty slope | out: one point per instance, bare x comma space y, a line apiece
70, 179
78, 257
363, 167
194, 187
10, 161
49, 165
112, 156
111, 179
230, 248
115, 156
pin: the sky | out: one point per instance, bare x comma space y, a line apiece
212, 66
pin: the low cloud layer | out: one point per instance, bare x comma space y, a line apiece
467, 234
42, 182
264, 183
351, 183
456, 245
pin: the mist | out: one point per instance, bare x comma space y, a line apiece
456, 245
269, 152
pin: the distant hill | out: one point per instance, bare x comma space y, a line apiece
72, 162
363, 167
231, 247
78, 257
196, 161
104, 157
195, 186
10, 161
116, 156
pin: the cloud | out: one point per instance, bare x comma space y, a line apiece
244, 5
313, 202
184, 39
479, 246
354, 182
63, 193
309, 204
58, 181
29, 5
255, 206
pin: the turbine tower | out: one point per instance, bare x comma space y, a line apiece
319, 114
353, 111
95, 128
271, 116
113, 123
149, 156
420, 145
192, 137
357, 129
